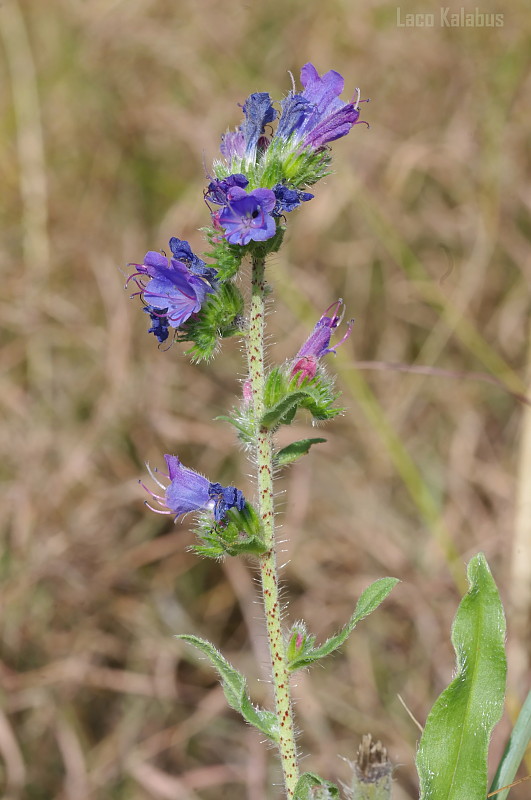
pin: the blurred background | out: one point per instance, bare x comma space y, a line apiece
110, 115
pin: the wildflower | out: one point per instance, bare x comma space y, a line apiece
190, 491
159, 321
317, 116
232, 145
247, 215
218, 189
258, 111
182, 251
317, 344
172, 292
288, 199
244, 142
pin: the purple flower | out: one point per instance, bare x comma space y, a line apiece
232, 145
317, 344
190, 491
288, 199
247, 216
159, 321
317, 116
182, 251
172, 292
258, 111
217, 189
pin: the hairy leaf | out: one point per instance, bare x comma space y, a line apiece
294, 451
369, 600
243, 424
235, 689
311, 787
284, 410
452, 754
238, 533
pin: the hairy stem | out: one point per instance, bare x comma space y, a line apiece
268, 562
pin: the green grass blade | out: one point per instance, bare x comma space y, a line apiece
452, 754
514, 752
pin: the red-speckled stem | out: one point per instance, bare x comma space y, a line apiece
268, 562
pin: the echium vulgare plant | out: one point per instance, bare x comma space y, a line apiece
264, 174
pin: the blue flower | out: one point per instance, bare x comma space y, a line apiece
233, 145
247, 216
190, 491
172, 292
317, 344
159, 322
217, 189
245, 141
317, 116
288, 199
258, 111
182, 251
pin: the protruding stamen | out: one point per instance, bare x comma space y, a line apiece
345, 337
156, 510
152, 473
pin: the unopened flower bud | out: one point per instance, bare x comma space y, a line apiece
297, 640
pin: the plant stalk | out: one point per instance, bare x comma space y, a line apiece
268, 562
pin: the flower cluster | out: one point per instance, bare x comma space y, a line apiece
293, 156
263, 176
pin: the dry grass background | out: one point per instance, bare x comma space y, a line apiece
108, 112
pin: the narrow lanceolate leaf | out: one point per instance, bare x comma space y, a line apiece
452, 754
235, 689
369, 600
311, 787
294, 451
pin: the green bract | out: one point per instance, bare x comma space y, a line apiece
240, 532
221, 316
311, 787
283, 396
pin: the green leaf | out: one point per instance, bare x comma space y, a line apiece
294, 451
238, 533
235, 689
243, 425
276, 387
452, 754
221, 315
369, 600
311, 787
514, 752
283, 410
